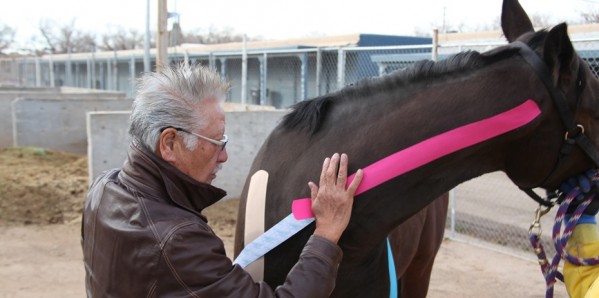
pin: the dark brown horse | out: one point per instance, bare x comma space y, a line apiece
415, 244
379, 117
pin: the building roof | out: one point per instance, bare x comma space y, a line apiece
583, 31
348, 40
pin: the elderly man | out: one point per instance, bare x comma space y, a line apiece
143, 233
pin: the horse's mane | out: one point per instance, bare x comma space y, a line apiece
307, 115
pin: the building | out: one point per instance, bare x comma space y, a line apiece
277, 73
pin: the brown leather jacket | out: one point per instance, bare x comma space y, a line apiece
143, 235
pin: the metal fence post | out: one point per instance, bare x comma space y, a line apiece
115, 67
211, 60
78, 75
340, 68
452, 219
101, 81
51, 66
89, 74
435, 45
318, 70
303, 76
38, 72
109, 74
68, 70
263, 77
244, 71
132, 75
223, 73
93, 69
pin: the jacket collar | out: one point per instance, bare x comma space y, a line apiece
159, 179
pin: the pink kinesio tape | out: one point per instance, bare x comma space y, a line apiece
302, 208
432, 149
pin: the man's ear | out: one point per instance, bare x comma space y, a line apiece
167, 145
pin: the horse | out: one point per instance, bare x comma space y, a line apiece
379, 117
415, 243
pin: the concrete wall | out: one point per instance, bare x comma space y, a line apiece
58, 124
108, 142
9, 93
6, 98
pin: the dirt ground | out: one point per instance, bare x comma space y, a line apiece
42, 191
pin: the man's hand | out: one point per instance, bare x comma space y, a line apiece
331, 202
588, 186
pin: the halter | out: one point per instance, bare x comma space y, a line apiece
574, 132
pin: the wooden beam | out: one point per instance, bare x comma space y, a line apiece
162, 41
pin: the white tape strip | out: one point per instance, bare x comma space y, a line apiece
276, 235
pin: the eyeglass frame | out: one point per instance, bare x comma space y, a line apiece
220, 143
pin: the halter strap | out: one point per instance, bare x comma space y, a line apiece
574, 132
540, 68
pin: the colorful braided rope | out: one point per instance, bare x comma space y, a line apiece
561, 234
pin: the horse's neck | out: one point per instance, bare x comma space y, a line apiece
412, 124
427, 115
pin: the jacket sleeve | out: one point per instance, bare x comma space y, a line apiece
195, 258
583, 281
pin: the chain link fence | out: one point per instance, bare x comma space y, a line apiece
489, 208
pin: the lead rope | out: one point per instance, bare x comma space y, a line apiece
560, 239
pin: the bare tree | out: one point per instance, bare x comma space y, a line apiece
590, 17
541, 20
64, 38
83, 42
213, 36
122, 39
491, 25
7, 37
45, 27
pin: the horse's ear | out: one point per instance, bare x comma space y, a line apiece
559, 53
514, 20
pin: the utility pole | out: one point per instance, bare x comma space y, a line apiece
162, 41
147, 67
444, 29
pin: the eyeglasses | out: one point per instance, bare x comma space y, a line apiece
220, 143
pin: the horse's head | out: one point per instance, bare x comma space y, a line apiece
570, 104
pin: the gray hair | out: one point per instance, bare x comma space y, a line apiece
172, 97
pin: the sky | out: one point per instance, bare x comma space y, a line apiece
279, 19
